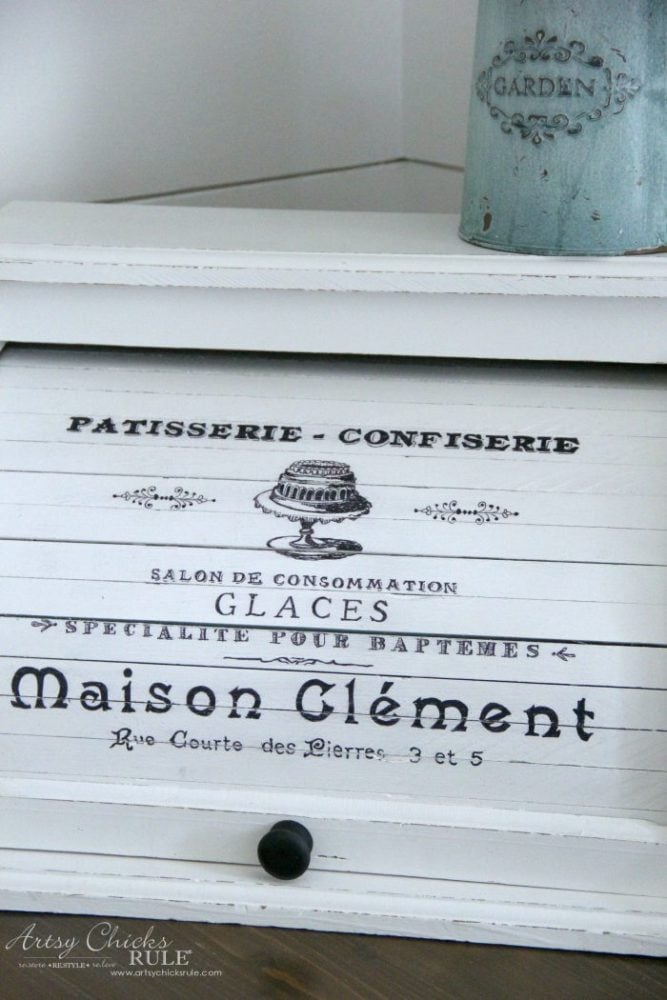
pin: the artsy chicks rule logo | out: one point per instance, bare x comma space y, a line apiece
310, 492
102, 945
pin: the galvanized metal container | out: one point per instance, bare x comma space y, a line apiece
567, 141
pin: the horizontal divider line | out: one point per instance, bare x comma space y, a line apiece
389, 756
465, 454
200, 477
360, 593
317, 667
333, 631
265, 551
259, 360
451, 723
233, 420
219, 512
114, 780
364, 872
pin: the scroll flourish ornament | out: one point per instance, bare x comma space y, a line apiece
452, 512
149, 498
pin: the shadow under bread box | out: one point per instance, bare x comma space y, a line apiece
404, 617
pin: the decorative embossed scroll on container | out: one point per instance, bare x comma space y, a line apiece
567, 143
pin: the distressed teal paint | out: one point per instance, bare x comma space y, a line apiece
567, 139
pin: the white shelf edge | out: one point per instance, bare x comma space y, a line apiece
139, 245
509, 327
387, 277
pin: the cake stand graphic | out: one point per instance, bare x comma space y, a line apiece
312, 491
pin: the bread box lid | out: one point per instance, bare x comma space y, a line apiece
312, 282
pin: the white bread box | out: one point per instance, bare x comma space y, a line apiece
331, 519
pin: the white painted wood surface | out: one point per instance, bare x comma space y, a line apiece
297, 250
349, 844
544, 918
257, 280
557, 604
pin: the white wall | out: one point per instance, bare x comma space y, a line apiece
110, 98
389, 187
438, 44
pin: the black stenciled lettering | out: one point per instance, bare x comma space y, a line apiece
441, 707
206, 709
76, 423
248, 432
95, 697
251, 713
382, 708
40, 676
132, 426
325, 709
493, 717
533, 712
290, 434
106, 426
159, 692
582, 715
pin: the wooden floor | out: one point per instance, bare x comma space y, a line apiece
241, 963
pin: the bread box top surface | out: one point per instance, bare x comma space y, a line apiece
358, 244
420, 290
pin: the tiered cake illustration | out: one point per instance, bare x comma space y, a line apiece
310, 491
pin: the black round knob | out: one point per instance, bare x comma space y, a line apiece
284, 851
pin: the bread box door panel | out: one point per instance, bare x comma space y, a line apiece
434, 584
